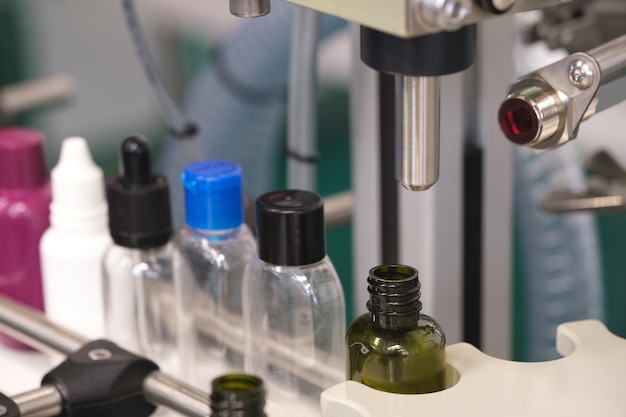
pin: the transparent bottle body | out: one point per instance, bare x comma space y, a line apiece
209, 268
139, 302
408, 360
295, 326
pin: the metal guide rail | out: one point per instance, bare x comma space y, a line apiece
60, 394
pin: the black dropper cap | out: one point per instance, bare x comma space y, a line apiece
139, 201
290, 228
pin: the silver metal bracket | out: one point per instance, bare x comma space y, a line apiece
561, 95
410, 18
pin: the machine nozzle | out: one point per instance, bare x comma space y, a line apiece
417, 131
249, 8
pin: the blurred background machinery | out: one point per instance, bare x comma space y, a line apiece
499, 271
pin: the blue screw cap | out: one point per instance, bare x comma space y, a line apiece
213, 197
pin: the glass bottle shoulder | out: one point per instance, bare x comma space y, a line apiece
426, 335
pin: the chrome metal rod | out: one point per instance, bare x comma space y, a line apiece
41, 402
31, 327
417, 131
164, 390
611, 58
35, 93
338, 209
249, 8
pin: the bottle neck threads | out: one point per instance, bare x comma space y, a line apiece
237, 395
394, 296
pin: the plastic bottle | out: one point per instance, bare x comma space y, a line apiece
294, 307
212, 252
394, 347
237, 395
138, 274
24, 216
73, 247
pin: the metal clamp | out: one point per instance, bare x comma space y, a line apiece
543, 109
102, 379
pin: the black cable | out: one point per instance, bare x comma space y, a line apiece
173, 117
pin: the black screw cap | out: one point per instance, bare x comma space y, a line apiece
290, 228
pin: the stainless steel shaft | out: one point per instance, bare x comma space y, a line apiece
41, 402
164, 390
417, 131
249, 8
611, 58
31, 327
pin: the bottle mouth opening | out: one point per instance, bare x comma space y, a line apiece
394, 290
393, 273
237, 392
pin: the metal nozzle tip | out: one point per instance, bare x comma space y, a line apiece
249, 8
417, 187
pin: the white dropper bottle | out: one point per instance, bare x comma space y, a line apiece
73, 247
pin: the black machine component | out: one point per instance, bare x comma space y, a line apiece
102, 380
429, 55
8, 407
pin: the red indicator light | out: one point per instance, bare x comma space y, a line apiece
518, 121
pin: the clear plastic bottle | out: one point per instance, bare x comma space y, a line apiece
294, 307
212, 251
24, 216
138, 274
140, 302
394, 348
237, 395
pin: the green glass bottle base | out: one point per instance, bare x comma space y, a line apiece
404, 361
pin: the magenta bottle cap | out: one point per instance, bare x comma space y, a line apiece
21, 158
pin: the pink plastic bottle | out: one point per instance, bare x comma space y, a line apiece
24, 216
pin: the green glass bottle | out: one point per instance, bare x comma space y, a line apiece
394, 348
237, 395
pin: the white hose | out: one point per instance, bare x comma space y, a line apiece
302, 110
